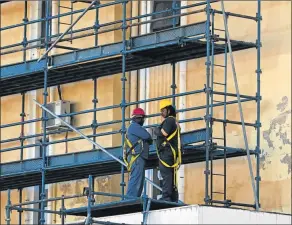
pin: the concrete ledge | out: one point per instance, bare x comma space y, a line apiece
196, 214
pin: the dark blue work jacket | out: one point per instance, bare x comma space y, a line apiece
136, 132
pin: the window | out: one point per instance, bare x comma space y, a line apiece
43, 23
160, 5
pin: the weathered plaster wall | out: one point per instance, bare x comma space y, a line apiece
275, 187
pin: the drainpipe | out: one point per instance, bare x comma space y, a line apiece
182, 104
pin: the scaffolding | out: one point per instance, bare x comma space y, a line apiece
166, 46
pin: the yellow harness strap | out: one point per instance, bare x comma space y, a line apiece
132, 152
176, 158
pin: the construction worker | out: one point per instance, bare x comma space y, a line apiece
168, 150
136, 152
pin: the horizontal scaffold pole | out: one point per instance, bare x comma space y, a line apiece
88, 139
68, 29
111, 123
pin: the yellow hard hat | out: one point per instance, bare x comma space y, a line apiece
164, 103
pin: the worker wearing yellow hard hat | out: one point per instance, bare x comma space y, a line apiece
168, 150
164, 103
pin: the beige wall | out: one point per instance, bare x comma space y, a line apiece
81, 95
275, 107
15, 35
275, 187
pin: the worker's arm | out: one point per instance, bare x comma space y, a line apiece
157, 132
143, 134
164, 133
166, 128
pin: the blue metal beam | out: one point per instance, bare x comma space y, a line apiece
4, 1
90, 65
121, 207
95, 162
81, 158
137, 44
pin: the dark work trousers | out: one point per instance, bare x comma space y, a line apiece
169, 191
137, 177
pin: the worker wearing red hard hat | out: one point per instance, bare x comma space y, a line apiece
136, 151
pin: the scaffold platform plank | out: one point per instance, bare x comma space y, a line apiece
122, 207
154, 49
26, 173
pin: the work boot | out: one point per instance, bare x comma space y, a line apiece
174, 196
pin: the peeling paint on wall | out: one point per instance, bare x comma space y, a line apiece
282, 105
277, 138
278, 125
287, 160
264, 161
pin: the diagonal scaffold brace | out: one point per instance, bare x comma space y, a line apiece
91, 141
240, 107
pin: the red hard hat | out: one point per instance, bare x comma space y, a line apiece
138, 112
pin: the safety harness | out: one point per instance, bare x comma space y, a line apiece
129, 149
176, 158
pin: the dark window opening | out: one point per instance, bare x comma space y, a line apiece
43, 23
160, 5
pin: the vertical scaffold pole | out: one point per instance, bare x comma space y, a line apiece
96, 25
63, 210
8, 209
22, 125
208, 91
258, 95
71, 21
59, 12
94, 124
173, 86
225, 115
44, 116
123, 104
21, 150
25, 20
211, 108
89, 202
95, 101
173, 13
